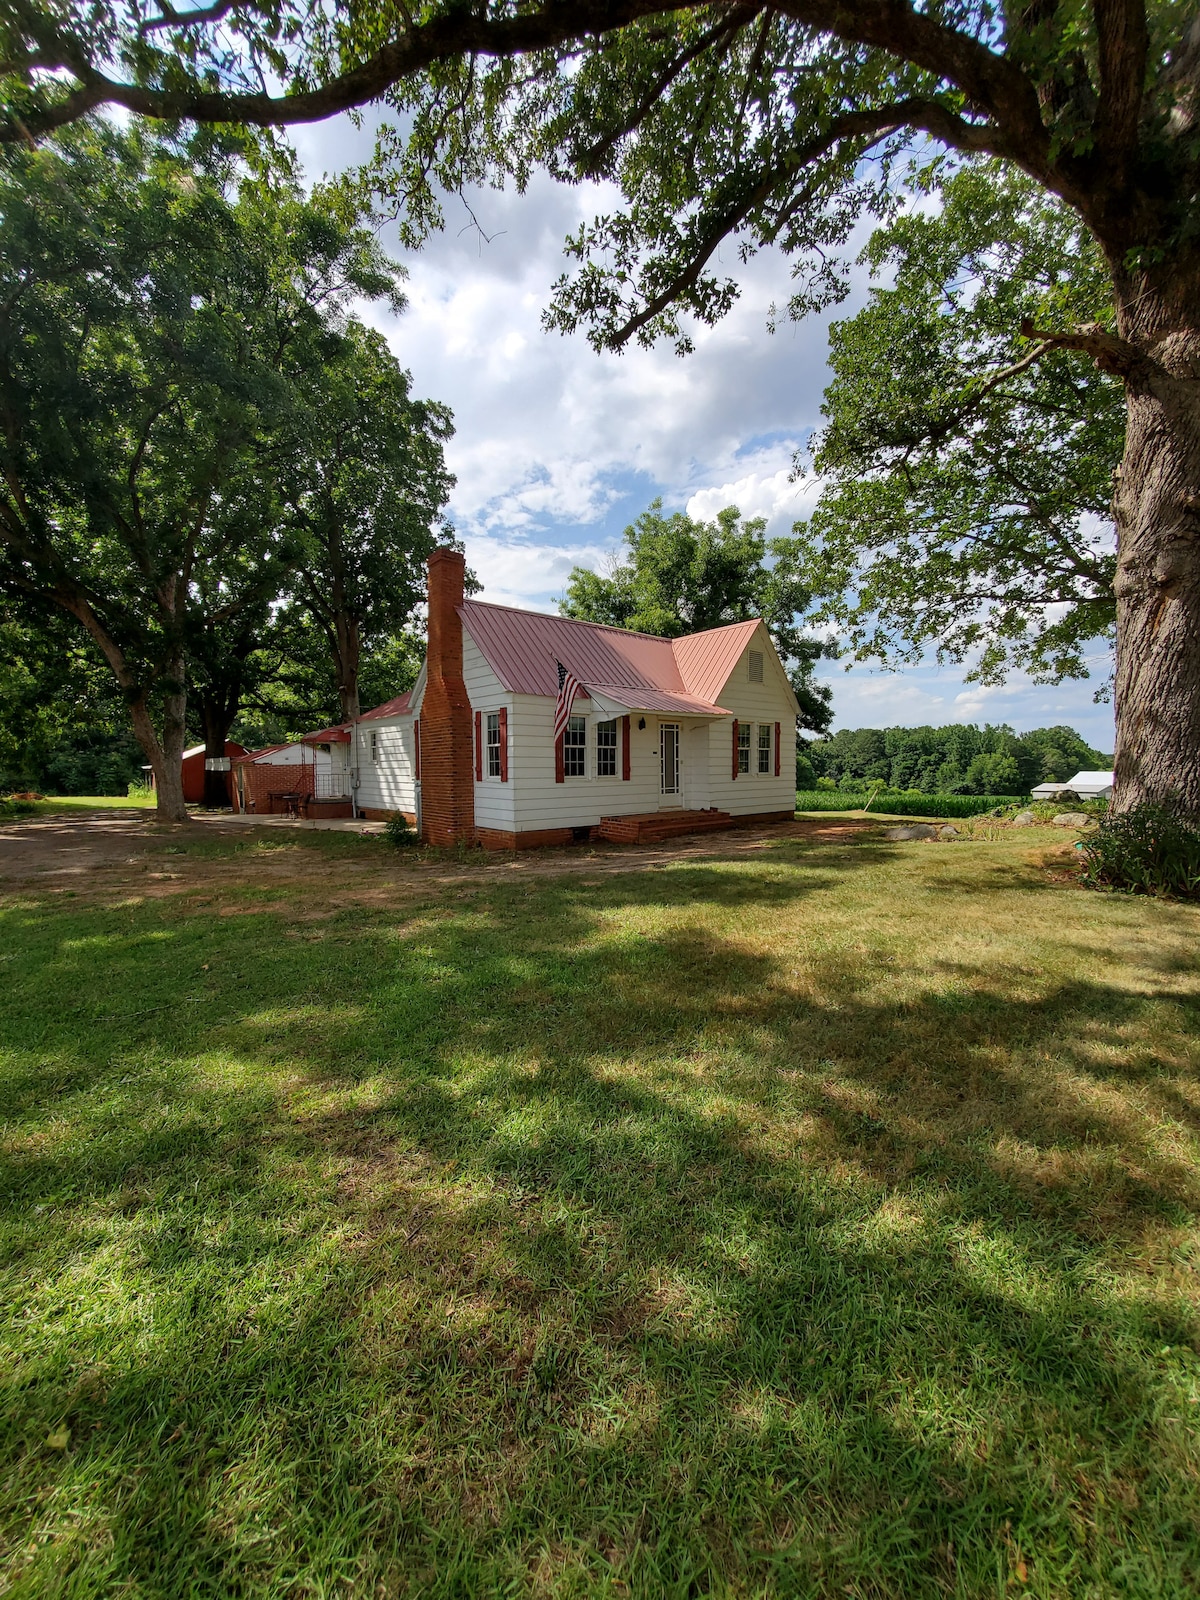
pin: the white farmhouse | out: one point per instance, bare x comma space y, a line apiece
665, 736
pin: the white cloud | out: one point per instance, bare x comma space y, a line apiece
773, 495
558, 447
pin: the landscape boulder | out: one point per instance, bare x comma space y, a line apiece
1024, 819
1071, 819
915, 830
948, 831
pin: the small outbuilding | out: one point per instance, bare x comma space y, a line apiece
1087, 785
194, 769
308, 778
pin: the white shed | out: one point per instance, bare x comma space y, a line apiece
1087, 785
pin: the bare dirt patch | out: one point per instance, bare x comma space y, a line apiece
76, 843
115, 853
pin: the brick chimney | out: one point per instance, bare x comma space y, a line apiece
447, 731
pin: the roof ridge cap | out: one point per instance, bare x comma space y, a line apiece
582, 622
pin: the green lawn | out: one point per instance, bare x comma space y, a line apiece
92, 802
816, 1222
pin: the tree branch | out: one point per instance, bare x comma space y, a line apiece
926, 115
992, 83
599, 152
1123, 43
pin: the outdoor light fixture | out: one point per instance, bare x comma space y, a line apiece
641, 723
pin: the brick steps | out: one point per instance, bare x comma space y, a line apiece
650, 827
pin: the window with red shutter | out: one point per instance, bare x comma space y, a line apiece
478, 746
503, 744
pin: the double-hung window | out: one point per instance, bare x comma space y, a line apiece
575, 748
743, 747
374, 745
606, 749
492, 764
764, 747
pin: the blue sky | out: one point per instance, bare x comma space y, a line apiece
558, 448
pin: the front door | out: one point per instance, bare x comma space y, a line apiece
668, 744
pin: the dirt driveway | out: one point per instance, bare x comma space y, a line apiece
82, 848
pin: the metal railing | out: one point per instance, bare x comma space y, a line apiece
331, 785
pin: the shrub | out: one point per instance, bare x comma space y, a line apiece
397, 832
1146, 851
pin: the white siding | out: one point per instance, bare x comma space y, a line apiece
756, 703
494, 804
542, 803
387, 783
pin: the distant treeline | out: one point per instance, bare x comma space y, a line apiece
959, 759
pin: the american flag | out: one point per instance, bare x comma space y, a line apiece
568, 687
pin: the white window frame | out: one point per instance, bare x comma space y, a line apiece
606, 752
764, 749
491, 746
743, 748
575, 750
375, 746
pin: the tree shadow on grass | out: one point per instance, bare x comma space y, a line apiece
577, 1256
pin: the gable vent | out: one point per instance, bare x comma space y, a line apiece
756, 666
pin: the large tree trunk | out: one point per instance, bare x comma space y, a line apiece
1157, 510
217, 719
349, 654
165, 755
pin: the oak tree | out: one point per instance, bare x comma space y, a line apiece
965, 517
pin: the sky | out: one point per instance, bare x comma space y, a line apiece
557, 449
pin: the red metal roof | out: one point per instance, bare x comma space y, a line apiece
255, 755
706, 659
639, 670
337, 735
398, 706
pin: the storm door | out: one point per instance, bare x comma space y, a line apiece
668, 744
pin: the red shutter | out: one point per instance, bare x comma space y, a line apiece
625, 749
559, 775
776, 749
735, 734
417, 749
478, 746
503, 744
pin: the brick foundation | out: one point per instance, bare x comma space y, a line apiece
374, 814
530, 839
447, 728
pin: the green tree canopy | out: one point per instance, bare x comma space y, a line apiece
683, 576
174, 306
364, 480
969, 516
959, 758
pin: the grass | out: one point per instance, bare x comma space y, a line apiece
810, 1222
92, 802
